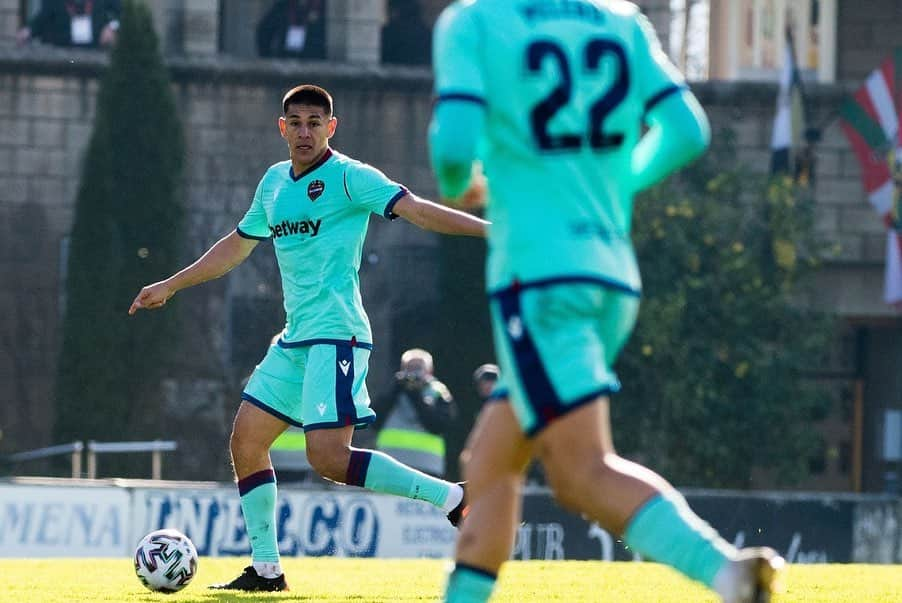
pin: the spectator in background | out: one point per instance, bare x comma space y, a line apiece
484, 379
418, 413
84, 23
293, 28
406, 39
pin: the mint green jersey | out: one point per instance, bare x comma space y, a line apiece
565, 85
318, 222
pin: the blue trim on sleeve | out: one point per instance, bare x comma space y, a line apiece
387, 214
268, 409
245, 235
560, 280
460, 96
660, 96
351, 343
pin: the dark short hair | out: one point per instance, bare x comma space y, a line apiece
308, 94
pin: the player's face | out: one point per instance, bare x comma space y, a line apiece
307, 130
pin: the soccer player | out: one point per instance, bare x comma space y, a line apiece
316, 208
552, 95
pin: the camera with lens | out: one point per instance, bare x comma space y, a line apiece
411, 380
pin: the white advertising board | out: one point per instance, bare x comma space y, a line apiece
49, 521
108, 521
350, 523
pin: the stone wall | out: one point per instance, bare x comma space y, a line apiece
866, 33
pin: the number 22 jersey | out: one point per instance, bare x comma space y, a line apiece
564, 85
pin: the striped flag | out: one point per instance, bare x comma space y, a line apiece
787, 152
870, 120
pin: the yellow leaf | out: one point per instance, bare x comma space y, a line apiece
785, 253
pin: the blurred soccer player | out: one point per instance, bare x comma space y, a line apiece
316, 208
556, 92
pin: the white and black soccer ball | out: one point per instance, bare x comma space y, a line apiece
165, 561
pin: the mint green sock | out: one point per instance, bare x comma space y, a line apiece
468, 584
385, 474
258, 504
666, 530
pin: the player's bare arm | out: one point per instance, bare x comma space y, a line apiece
224, 255
432, 216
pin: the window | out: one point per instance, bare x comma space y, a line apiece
748, 38
689, 22
27, 8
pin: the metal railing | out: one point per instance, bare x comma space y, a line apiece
155, 447
73, 448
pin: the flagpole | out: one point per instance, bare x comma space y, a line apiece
804, 169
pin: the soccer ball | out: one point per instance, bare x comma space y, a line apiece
165, 561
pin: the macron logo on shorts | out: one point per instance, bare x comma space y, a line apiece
515, 327
345, 366
321, 408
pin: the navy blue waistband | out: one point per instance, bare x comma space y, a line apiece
561, 280
352, 342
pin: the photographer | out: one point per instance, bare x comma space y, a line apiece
418, 413
484, 379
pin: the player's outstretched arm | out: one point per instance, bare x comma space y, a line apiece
224, 255
678, 133
454, 134
435, 217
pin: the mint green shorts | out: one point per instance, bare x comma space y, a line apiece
318, 384
556, 343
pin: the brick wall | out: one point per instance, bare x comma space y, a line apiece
867, 30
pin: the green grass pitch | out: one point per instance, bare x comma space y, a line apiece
329, 580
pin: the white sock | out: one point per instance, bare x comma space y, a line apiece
455, 495
266, 569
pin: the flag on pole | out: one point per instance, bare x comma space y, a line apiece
870, 120
787, 145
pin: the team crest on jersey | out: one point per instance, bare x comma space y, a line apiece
315, 189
